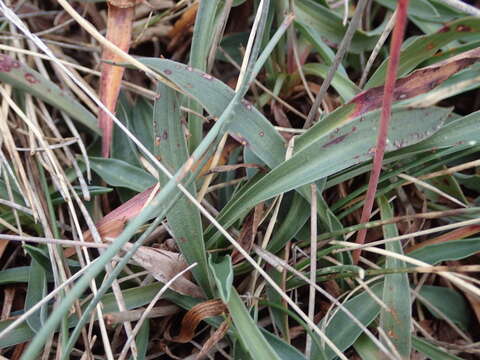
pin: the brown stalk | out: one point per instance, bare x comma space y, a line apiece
397, 39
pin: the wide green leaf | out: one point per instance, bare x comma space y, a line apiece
248, 124
120, 173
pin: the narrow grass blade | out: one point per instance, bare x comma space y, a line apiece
396, 321
426, 46
21, 77
340, 328
119, 173
248, 332
171, 147
329, 25
432, 351
450, 250
201, 42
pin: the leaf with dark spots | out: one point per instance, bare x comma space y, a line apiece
419, 82
23, 78
313, 160
214, 96
424, 48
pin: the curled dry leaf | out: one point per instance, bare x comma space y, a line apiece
194, 316
213, 339
163, 265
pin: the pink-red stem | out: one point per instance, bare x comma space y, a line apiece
397, 39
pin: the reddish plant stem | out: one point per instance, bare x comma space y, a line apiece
397, 39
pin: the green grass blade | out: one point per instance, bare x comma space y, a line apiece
201, 42
36, 290
120, 173
424, 47
328, 25
21, 77
327, 155
341, 83
449, 302
223, 275
432, 351
248, 332
445, 251
341, 330
183, 218
396, 322
259, 134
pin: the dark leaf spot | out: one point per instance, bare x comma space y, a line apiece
31, 78
167, 71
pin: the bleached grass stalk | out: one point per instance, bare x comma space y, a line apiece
376, 50
16, 206
447, 275
443, 316
412, 235
462, 6
248, 50
149, 308
216, 159
342, 49
313, 264
280, 264
432, 188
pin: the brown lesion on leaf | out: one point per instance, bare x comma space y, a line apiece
418, 82
463, 28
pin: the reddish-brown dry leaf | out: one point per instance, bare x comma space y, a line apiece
194, 316
419, 82
186, 20
215, 338
112, 224
456, 234
247, 236
163, 265
119, 32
